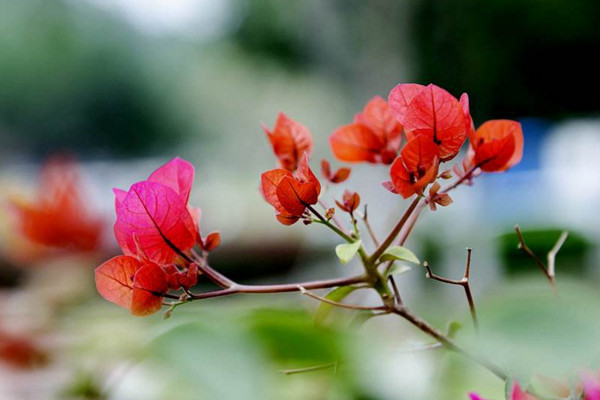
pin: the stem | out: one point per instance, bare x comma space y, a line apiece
392, 235
334, 228
290, 287
448, 343
338, 304
335, 219
365, 220
310, 369
461, 179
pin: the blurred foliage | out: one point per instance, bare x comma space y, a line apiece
514, 57
570, 260
72, 77
272, 29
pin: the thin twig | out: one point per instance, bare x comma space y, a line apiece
365, 218
311, 368
395, 289
464, 282
337, 304
549, 271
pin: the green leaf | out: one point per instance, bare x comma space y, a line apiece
399, 253
337, 295
397, 269
346, 252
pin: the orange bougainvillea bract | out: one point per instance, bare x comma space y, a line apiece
59, 217
497, 145
290, 141
289, 193
416, 167
432, 112
374, 136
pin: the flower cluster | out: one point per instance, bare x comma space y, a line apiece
156, 229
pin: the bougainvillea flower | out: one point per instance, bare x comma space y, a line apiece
432, 112
591, 387
154, 216
415, 168
59, 217
375, 136
516, 394
132, 284
350, 201
497, 145
289, 193
435, 197
290, 141
338, 176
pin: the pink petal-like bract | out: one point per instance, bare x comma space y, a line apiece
177, 174
159, 218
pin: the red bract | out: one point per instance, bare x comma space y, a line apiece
375, 135
290, 141
59, 217
155, 212
497, 145
290, 194
338, 177
432, 112
132, 284
416, 167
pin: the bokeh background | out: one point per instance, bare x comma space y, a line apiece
121, 86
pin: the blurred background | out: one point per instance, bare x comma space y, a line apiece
118, 87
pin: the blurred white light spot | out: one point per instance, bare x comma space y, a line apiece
200, 19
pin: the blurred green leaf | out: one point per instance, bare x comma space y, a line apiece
398, 269
399, 253
292, 338
217, 359
337, 295
346, 252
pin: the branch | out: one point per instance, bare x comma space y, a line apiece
392, 235
447, 342
283, 288
464, 282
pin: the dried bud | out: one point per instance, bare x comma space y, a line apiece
447, 174
307, 221
329, 213
211, 242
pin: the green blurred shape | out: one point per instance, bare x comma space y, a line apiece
292, 338
74, 77
570, 260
